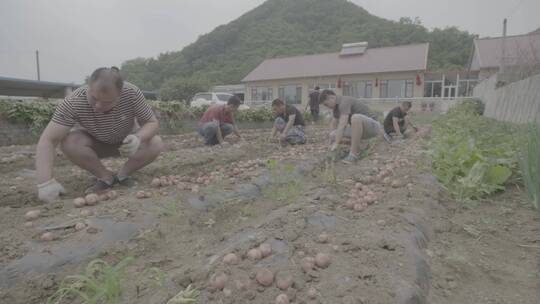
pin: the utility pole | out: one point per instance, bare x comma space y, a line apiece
37, 65
501, 78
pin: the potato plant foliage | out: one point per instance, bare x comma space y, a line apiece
472, 155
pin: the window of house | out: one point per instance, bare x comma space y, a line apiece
358, 89
396, 88
261, 93
290, 94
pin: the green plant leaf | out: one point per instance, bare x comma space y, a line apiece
498, 175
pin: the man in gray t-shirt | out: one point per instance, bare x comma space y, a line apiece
351, 119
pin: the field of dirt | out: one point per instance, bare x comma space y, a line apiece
407, 243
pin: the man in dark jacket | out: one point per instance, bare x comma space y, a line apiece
314, 104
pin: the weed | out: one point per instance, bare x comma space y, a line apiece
286, 186
101, 283
189, 295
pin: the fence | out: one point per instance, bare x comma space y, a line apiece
518, 102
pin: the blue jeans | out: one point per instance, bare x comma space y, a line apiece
209, 132
295, 135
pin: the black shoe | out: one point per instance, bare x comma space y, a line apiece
125, 181
100, 186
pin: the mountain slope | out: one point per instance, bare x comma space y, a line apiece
279, 28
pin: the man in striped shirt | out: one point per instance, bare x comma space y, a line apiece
108, 117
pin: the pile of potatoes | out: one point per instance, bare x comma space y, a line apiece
93, 199
360, 197
264, 276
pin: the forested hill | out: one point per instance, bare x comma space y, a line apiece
279, 28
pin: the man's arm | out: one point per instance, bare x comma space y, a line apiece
274, 131
149, 129
343, 121
409, 122
235, 128
395, 122
45, 151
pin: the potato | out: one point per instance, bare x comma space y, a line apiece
79, 202
29, 224
91, 199
308, 264
284, 280
301, 254
359, 207
103, 197
254, 254
322, 260
265, 249
195, 189
265, 277
369, 199
312, 293
47, 237
32, 215
387, 181
86, 212
230, 259
323, 238
240, 285
227, 292
350, 204
358, 186
397, 184
112, 194
79, 226
156, 182
140, 194
218, 280
282, 299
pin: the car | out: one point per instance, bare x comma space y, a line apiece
212, 98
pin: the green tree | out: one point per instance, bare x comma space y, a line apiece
182, 89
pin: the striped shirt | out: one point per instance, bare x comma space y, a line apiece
110, 127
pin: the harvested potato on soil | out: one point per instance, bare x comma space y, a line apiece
323, 238
265, 277
265, 249
230, 259
312, 293
254, 254
284, 280
282, 299
91, 199
156, 182
47, 237
79, 202
218, 280
32, 215
322, 260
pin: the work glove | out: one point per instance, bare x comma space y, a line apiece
49, 192
130, 145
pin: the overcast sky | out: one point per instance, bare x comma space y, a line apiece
76, 36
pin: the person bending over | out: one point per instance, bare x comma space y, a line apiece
352, 120
288, 125
218, 122
397, 121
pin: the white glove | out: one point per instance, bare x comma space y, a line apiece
130, 145
49, 192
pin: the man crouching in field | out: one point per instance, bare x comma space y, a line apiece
397, 121
99, 120
352, 120
288, 125
218, 122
